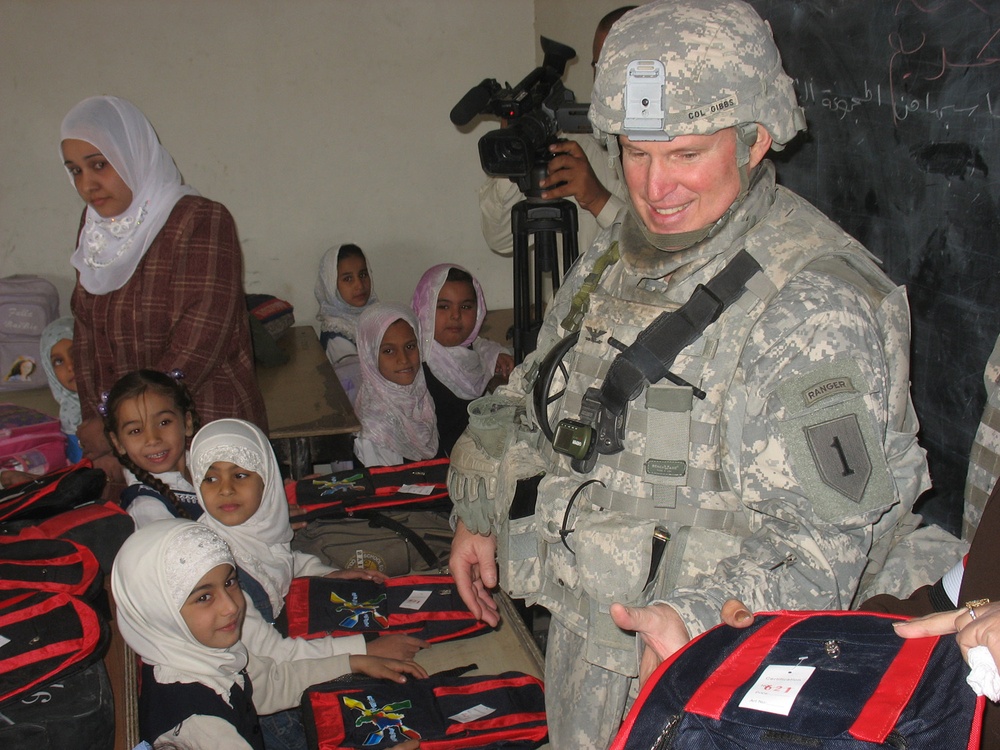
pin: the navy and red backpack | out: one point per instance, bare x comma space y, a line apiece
447, 711
424, 606
793, 680
418, 485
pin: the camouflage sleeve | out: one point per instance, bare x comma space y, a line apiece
804, 449
984, 464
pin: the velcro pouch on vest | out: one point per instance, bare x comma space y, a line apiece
668, 436
518, 559
692, 553
614, 554
616, 564
556, 516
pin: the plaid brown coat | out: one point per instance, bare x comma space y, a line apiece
184, 307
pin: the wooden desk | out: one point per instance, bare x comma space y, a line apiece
304, 399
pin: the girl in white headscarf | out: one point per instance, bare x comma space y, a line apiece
343, 290
180, 608
160, 272
395, 409
56, 349
57, 361
458, 364
238, 484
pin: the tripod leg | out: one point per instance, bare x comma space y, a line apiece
522, 295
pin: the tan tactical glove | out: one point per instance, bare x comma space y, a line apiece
482, 478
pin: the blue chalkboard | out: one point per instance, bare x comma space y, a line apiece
902, 98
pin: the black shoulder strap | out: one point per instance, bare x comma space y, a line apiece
652, 353
422, 548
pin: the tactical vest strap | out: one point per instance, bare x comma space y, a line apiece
649, 507
652, 353
581, 300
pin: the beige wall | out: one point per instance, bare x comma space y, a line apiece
316, 122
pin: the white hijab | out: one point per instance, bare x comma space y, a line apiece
335, 314
69, 402
465, 369
261, 544
154, 572
399, 417
109, 250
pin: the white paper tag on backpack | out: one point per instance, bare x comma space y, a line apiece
416, 600
417, 489
472, 714
776, 689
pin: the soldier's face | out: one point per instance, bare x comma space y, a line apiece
685, 184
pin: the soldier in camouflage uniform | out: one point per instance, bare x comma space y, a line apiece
779, 456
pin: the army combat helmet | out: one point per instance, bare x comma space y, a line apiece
689, 67
692, 67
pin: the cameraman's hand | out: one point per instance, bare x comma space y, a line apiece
570, 166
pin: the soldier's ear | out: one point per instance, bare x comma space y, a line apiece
760, 148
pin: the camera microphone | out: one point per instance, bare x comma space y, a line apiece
474, 102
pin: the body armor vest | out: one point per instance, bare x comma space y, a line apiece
594, 531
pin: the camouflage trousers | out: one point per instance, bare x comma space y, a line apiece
584, 704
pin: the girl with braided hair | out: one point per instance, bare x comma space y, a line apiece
149, 418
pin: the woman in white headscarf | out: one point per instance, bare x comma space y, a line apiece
395, 409
180, 608
159, 272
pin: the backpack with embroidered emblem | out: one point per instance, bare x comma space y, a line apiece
831, 680
426, 607
418, 485
27, 304
446, 711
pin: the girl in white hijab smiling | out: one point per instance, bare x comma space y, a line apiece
238, 483
180, 608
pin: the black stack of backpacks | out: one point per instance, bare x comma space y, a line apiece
58, 541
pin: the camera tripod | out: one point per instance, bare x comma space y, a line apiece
543, 219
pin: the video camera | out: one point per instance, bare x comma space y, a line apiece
536, 110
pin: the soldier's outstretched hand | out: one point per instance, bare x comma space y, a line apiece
661, 629
473, 565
